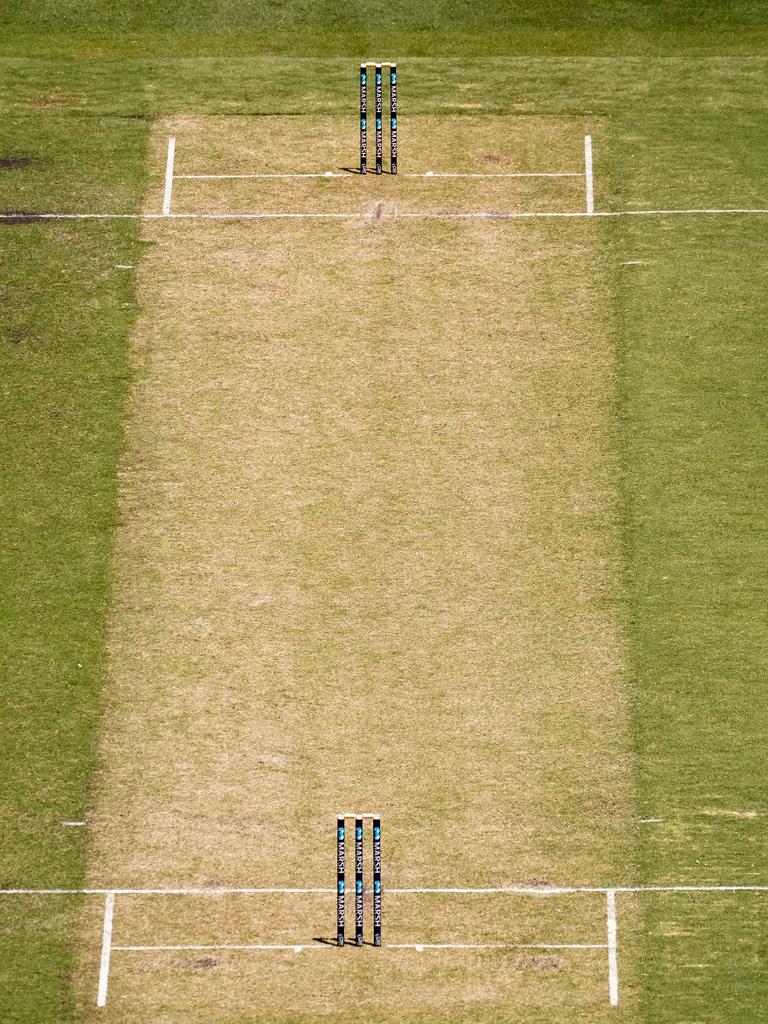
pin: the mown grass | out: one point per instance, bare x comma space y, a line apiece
64, 316
695, 410
459, 28
463, 16
693, 406
662, 100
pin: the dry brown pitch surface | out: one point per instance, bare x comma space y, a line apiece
367, 560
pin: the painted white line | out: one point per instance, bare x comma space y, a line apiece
351, 814
421, 946
406, 215
72, 824
301, 947
589, 184
5, 217
247, 177
190, 891
613, 949
259, 947
452, 215
496, 174
169, 161
106, 949
502, 890
694, 211
689, 888
353, 175
446, 891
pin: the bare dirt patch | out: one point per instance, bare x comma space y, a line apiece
14, 163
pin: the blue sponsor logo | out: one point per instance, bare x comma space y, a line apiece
363, 77
341, 833
378, 122
359, 888
341, 888
394, 122
377, 887
363, 123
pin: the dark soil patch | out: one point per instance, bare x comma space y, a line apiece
199, 963
10, 163
15, 217
542, 963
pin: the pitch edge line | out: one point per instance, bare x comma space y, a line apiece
405, 215
500, 891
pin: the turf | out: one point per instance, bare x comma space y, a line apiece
458, 28
686, 123
694, 417
64, 316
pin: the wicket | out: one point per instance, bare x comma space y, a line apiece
359, 880
379, 116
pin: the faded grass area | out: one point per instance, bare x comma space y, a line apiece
292, 145
321, 981
367, 560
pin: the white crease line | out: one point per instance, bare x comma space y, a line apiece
518, 890
418, 946
406, 215
421, 946
106, 949
169, 161
227, 946
589, 183
496, 174
191, 891
613, 948
352, 176
241, 177
500, 891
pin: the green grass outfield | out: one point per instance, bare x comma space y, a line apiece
686, 111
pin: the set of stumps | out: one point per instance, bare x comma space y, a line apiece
379, 116
341, 887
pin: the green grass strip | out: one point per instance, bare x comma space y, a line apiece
65, 313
